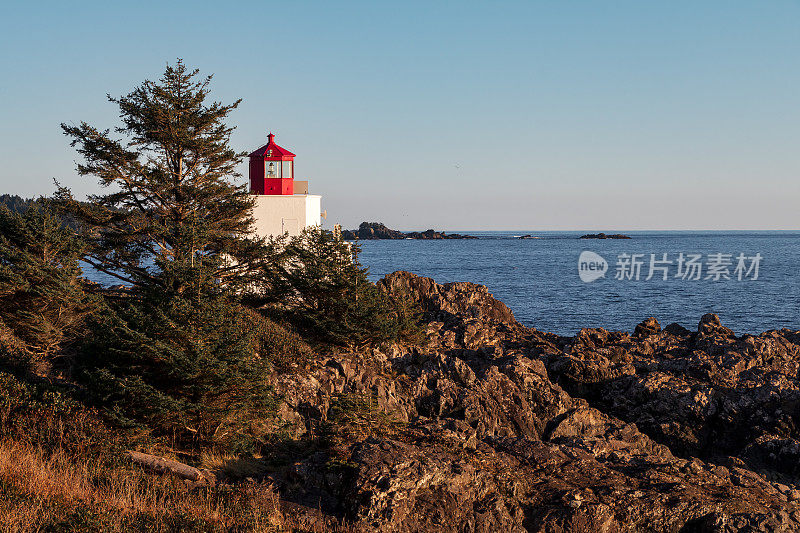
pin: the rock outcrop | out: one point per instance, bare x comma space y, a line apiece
708, 394
604, 236
492, 426
377, 231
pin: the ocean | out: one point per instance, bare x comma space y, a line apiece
539, 278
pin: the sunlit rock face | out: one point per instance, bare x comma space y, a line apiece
488, 425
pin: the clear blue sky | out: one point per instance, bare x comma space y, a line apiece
461, 115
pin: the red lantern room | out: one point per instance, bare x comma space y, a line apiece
272, 169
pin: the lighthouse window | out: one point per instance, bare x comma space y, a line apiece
286, 169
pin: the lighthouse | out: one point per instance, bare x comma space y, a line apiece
282, 204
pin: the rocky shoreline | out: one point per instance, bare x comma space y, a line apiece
488, 425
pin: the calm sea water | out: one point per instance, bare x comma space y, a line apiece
538, 278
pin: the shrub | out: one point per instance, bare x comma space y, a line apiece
280, 346
49, 417
354, 417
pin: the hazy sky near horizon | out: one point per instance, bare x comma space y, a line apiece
529, 115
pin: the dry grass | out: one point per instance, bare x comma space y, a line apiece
62, 469
234, 467
45, 492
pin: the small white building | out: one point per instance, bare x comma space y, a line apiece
282, 205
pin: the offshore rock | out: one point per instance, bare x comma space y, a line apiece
376, 230
604, 236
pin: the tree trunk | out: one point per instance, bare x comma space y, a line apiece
163, 466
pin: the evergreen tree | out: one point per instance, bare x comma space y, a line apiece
325, 292
173, 218
42, 301
189, 369
15, 203
177, 352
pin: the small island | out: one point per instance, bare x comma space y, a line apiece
377, 231
604, 236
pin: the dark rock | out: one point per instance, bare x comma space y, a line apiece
647, 328
677, 330
604, 236
709, 321
376, 231
707, 395
711, 325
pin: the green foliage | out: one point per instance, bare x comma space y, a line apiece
324, 291
172, 202
49, 417
280, 346
19, 398
42, 302
186, 368
16, 204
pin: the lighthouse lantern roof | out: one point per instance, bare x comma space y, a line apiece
272, 152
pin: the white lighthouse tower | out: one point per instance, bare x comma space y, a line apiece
283, 205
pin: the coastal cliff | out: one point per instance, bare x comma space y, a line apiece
488, 425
